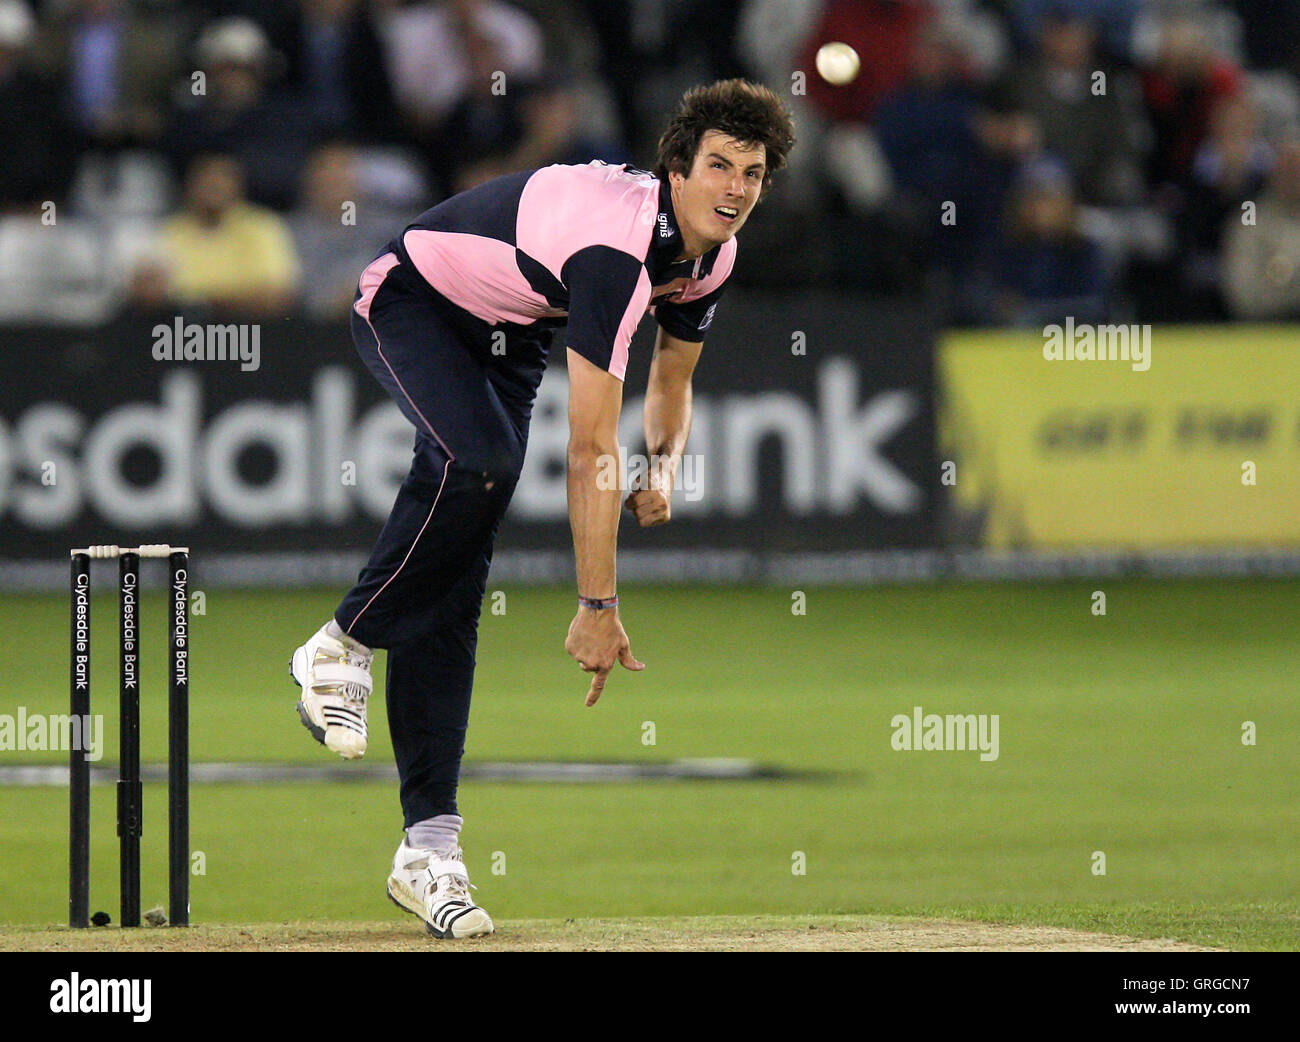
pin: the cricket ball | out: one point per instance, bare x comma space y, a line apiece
838, 63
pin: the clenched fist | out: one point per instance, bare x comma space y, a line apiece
650, 505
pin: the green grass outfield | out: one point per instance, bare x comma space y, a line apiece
1119, 734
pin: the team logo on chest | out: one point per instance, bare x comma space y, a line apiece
668, 292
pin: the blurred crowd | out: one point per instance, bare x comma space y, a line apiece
1015, 161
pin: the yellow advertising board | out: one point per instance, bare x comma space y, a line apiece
1195, 446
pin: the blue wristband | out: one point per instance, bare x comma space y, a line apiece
597, 603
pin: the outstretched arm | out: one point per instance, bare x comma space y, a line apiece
596, 636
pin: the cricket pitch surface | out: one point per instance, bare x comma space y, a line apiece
704, 933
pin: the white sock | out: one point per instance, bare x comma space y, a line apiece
437, 833
333, 629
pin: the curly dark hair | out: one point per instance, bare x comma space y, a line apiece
749, 112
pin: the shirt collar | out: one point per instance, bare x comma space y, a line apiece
666, 243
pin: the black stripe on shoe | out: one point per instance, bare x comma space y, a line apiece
459, 915
444, 910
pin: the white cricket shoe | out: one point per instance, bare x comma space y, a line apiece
434, 885
334, 674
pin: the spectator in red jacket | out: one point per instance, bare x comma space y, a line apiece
1181, 89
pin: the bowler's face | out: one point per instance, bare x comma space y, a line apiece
725, 182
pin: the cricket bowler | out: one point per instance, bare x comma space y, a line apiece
454, 318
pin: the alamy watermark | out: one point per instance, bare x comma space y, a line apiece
190, 342
955, 732
1088, 343
75, 994
50, 732
633, 471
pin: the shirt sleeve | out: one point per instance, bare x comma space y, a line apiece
609, 291
689, 321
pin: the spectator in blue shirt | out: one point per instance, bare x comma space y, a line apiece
1046, 268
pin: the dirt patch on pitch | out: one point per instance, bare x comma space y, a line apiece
711, 933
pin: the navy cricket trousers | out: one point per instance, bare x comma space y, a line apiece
420, 594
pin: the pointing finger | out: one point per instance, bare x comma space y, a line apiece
597, 686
